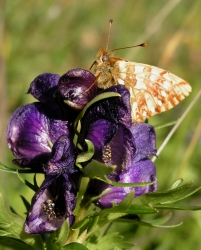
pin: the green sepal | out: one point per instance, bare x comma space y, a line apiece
87, 155
74, 246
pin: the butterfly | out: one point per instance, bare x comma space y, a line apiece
152, 90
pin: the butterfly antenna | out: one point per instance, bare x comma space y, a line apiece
139, 45
109, 33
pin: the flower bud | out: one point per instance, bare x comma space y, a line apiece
77, 87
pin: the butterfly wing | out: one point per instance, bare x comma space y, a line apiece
153, 90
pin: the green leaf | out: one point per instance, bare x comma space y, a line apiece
59, 237
25, 202
116, 211
16, 170
99, 170
141, 209
93, 222
6, 169
94, 100
176, 206
74, 246
35, 182
137, 184
152, 223
161, 220
13, 225
169, 196
87, 155
27, 183
80, 224
14, 244
109, 241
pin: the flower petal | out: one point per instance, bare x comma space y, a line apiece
30, 129
77, 87
44, 86
62, 158
52, 205
142, 171
145, 140
115, 109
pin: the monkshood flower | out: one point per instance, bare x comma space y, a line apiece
55, 200
119, 142
29, 132
33, 127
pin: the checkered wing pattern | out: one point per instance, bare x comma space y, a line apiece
153, 90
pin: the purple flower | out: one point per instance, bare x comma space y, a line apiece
119, 142
52, 204
77, 87
30, 130
55, 200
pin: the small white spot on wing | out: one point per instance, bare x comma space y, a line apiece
159, 103
138, 69
122, 67
163, 93
139, 83
120, 81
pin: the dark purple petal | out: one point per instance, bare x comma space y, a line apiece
100, 134
77, 87
62, 158
142, 171
115, 109
145, 140
44, 86
29, 132
52, 205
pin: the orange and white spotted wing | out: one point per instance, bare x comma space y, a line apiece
153, 90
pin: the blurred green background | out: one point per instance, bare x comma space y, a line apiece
55, 36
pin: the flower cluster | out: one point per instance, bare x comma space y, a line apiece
41, 135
